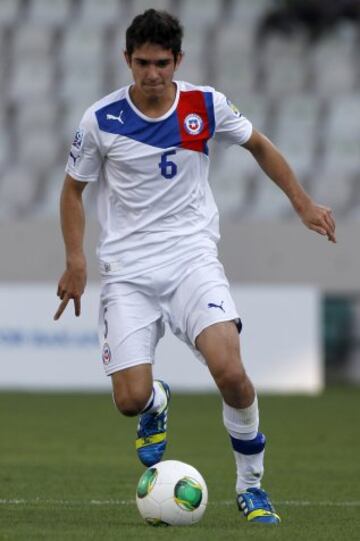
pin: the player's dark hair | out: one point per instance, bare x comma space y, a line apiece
157, 27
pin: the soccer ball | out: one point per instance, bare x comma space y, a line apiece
171, 493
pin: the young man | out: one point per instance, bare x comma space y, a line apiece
146, 146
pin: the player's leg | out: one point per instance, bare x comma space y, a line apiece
204, 315
219, 345
133, 389
136, 393
130, 327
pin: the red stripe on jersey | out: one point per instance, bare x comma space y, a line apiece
193, 103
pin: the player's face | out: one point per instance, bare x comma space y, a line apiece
153, 69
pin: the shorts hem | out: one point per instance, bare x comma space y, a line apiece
109, 370
204, 324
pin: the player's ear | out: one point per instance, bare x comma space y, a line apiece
127, 58
179, 58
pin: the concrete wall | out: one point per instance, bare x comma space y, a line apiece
252, 253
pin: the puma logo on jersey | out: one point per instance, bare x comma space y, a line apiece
213, 305
113, 117
75, 158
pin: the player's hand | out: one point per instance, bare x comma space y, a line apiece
320, 219
71, 286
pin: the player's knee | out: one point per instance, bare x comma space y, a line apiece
129, 405
232, 379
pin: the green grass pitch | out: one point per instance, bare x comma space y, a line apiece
68, 469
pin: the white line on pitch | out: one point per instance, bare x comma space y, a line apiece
299, 503
318, 504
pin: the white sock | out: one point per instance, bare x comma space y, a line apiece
157, 399
242, 423
248, 444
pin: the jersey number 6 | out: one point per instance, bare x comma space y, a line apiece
167, 167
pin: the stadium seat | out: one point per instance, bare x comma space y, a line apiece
343, 116
32, 40
104, 13
236, 74
247, 12
299, 112
82, 64
232, 169
343, 153
17, 191
84, 82
334, 187
48, 200
118, 44
268, 202
334, 63
284, 65
298, 153
354, 212
54, 13
139, 6
4, 144
342, 133
253, 106
193, 66
83, 43
200, 14
9, 12
47, 203
60, 56
41, 115
32, 78
120, 73
3, 62
121, 76
71, 115
296, 131
38, 149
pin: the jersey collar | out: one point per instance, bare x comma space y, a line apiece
159, 118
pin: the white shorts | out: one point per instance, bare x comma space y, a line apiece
133, 314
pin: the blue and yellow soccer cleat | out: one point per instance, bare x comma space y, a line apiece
151, 431
257, 507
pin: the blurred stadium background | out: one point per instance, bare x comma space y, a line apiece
292, 68
67, 464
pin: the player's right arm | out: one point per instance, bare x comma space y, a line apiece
232, 127
73, 281
83, 166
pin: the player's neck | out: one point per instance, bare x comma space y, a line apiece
153, 106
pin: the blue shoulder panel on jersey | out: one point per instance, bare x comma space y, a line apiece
119, 118
209, 102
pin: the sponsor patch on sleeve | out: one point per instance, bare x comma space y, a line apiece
233, 107
78, 139
76, 145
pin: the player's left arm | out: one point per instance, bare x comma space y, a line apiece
316, 217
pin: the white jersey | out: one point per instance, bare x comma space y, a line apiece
154, 200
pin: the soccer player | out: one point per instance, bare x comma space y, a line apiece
146, 147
